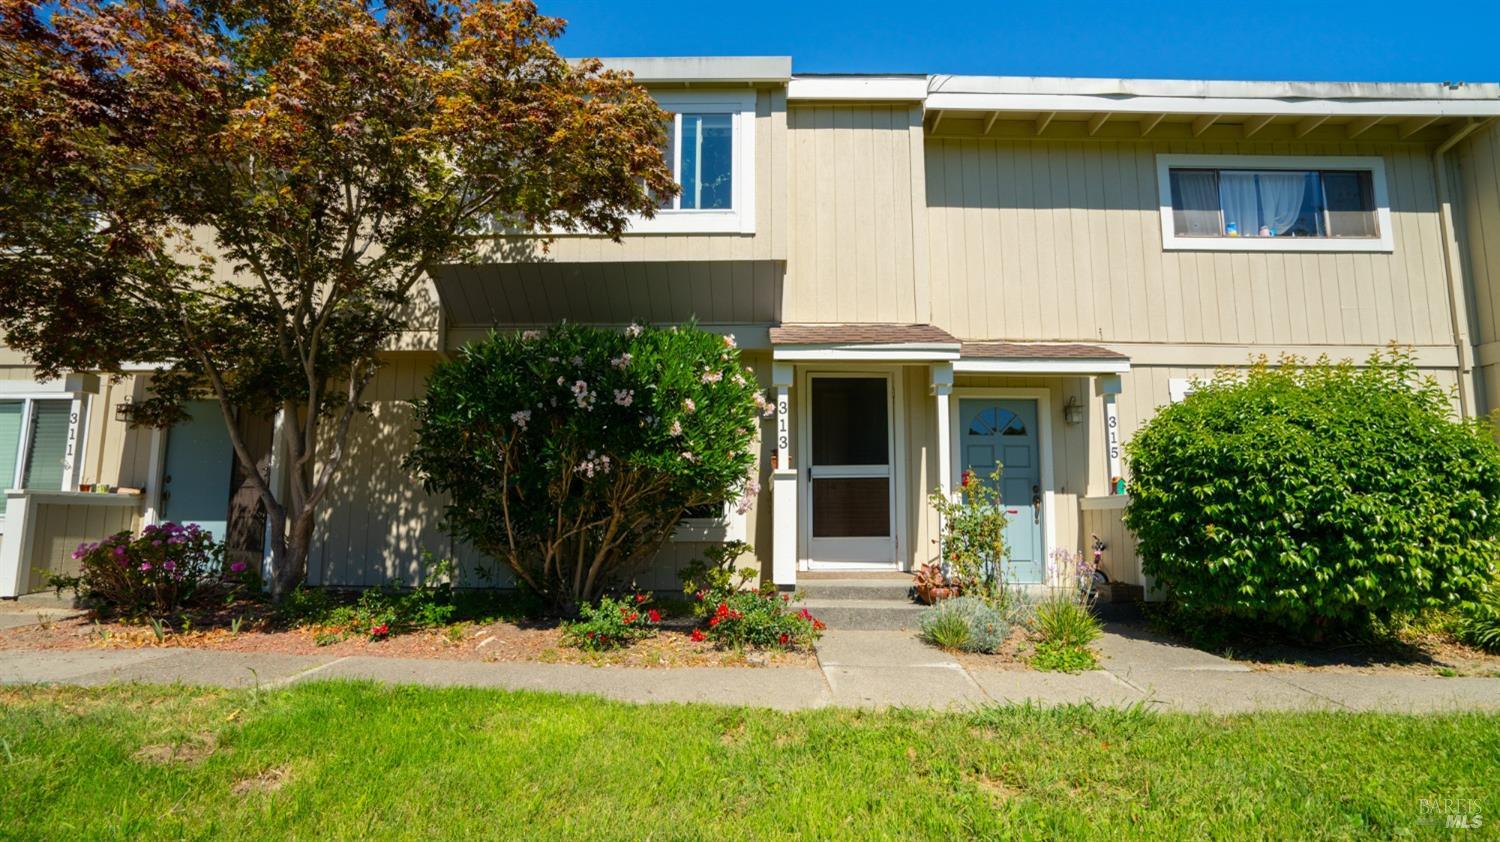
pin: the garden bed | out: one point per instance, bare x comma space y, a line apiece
491, 641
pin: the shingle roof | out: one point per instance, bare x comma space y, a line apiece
860, 334
1037, 351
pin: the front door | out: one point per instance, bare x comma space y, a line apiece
1002, 432
850, 483
195, 484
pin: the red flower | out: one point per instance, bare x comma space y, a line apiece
654, 615
968, 476
380, 631
639, 598
723, 609
700, 595
632, 617
698, 636
784, 638
714, 620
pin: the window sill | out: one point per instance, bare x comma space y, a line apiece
693, 222
1278, 244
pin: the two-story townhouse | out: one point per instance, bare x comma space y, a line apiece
932, 275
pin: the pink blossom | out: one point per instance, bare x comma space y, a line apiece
531, 335
145, 565
690, 456
676, 428
624, 397
238, 567
729, 340
622, 361
689, 406
711, 376
520, 418
634, 330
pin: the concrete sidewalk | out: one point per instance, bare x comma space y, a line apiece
855, 669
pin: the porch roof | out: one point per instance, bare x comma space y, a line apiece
867, 341
1039, 358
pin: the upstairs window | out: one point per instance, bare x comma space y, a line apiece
1267, 203
701, 151
711, 152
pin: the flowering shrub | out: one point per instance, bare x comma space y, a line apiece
571, 454
613, 623
761, 619
1316, 496
971, 545
158, 571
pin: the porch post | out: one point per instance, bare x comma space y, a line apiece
1108, 386
783, 484
942, 389
15, 544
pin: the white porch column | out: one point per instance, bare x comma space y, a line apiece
942, 389
275, 470
15, 544
783, 484
1108, 386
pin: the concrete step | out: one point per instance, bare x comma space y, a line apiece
865, 614
893, 589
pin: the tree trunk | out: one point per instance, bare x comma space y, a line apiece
289, 554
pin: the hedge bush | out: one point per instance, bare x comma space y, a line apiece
166, 567
571, 454
1310, 496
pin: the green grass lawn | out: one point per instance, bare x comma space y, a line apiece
349, 760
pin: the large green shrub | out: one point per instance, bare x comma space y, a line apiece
1312, 496
571, 454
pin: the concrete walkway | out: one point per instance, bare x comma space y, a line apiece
856, 669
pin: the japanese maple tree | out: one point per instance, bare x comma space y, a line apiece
248, 193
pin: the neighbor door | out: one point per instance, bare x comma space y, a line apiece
1002, 432
850, 481
195, 482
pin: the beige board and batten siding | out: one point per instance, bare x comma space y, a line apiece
1062, 240
769, 242
61, 521
857, 249
1477, 162
378, 521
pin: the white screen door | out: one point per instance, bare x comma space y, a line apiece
851, 493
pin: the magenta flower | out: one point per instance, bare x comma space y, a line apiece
238, 567
145, 565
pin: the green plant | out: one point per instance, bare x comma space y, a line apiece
1062, 620
159, 629
612, 623
966, 623
1057, 657
1318, 496
717, 575
164, 568
234, 626
762, 619
1479, 622
570, 454
971, 543
60, 582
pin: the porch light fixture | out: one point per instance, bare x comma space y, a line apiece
122, 410
1073, 410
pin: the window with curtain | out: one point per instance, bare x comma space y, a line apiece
1265, 203
42, 452
700, 150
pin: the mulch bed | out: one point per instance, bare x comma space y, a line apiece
490, 642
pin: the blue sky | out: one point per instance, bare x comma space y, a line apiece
1312, 40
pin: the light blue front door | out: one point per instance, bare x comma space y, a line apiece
1003, 432
195, 487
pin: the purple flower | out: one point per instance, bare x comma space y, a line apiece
169, 565
238, 567
145, 565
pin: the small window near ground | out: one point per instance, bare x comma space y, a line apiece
1267, 203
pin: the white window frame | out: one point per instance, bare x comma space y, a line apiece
713, 530
1372, 164
740, 217
77, 429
